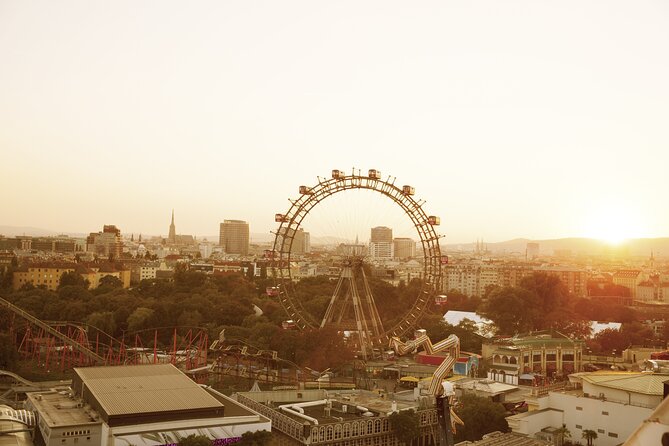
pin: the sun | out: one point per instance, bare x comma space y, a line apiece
613, 225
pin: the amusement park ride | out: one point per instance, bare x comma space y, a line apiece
352, 289
351, 308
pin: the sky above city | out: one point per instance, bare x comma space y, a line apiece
511, 119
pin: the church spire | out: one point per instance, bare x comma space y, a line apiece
172, 237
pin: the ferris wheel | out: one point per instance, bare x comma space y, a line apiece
352, 307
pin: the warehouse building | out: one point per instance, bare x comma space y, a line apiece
140, 405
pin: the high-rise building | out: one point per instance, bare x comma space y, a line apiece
234, 237
172, 237
381, 243
105, 243
301, 242
532, 250
404, 248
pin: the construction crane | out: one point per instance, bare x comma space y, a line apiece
443, 391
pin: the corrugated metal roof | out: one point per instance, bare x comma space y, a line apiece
646, 383
144, 388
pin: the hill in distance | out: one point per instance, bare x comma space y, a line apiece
577, 245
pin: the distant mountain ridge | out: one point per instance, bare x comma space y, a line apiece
577, 245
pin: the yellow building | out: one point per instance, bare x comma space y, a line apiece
48, 275
545, 353
629, 278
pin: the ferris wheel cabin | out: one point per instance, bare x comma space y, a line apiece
434, 221
289, 325
408, 190
306, 190
281, 218
374, 174
272, 291
441, 299
338, 174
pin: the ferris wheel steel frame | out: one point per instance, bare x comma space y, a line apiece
311, 196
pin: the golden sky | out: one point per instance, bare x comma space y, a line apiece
512, 119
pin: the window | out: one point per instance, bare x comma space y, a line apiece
579, 408
601, 431
604, 412
613, 434
578, 426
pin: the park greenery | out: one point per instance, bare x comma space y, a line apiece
238, 304
480, 415
405, 425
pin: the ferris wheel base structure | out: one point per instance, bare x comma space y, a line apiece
403, 197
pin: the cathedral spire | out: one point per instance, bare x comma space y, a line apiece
172, 237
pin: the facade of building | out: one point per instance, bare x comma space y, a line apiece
234, 237
106, 243
629, 278
473, 279
547, 354
575, 279
343, 418
612, 404
301, 243
381, 243
404, 248
532, 250
142, 405
48, 274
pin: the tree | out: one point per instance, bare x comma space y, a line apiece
195, 440
589, 435
103, 320
72, 278
139, 318
110, 282
257, 438
405, 425
481, 416
608, 340
512, 309
563, 434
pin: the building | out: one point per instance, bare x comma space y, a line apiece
473, 279
344, 417
575, 279
106, 243
141, 405
542, 354
172, 235
301, 242
532, 250
612, 404
234, 237
16, 426
48, 274
381, 243
404, 248
629, 278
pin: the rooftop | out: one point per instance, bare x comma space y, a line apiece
138, 389
645, 383
58, 409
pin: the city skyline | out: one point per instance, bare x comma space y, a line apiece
517, 120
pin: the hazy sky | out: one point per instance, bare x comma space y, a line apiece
511, 118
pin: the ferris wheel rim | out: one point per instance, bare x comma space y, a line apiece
311, 197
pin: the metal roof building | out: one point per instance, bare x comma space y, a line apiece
142, 405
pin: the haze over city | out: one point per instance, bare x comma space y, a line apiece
515, 119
